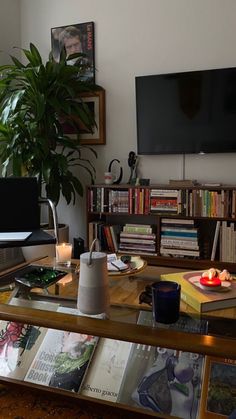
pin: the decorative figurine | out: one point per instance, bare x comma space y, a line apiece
133, 163
119, 178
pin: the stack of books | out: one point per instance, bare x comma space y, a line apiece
179, 238
138, 238
164, 201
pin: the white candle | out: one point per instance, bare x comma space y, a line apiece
63, 253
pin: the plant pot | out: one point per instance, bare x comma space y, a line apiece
33, 252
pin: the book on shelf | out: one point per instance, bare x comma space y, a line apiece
166, 251
138, 247
20, 342
137, 240
163, 380
151, 236
62, 358
202, 300
105, 373
218, 398
176, 221
176, 233
179, 244
137, 228
215, 241
164, 192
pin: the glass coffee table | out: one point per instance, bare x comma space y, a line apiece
139, 346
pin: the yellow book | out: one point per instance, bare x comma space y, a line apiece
203, 300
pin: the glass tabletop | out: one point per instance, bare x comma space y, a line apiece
125, 292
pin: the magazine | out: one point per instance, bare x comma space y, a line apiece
62, 358
20, 342
106, 370
163, 380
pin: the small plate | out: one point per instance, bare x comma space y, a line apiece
39, 277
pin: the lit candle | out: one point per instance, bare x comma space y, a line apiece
210, 282
63, 253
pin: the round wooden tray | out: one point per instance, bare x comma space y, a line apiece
137, 265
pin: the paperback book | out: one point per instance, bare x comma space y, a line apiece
104, 376
62, 359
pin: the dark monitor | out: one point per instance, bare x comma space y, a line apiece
19, 209
187, 112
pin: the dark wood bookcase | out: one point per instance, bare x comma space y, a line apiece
212, 210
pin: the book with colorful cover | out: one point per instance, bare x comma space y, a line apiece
20, 342
62, 359
105, 373
203, 300
163, 380
218, 398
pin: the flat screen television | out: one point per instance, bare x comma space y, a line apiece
187, 112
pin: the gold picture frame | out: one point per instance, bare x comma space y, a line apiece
96, 102
95, 99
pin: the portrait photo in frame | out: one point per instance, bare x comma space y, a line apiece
95, 100
77, 38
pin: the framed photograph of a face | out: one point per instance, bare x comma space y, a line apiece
78, 38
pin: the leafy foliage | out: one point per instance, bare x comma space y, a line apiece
36, 99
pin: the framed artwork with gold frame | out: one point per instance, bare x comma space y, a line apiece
96, 102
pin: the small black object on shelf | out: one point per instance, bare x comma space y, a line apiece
78, 247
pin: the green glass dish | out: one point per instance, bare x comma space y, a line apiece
39, 277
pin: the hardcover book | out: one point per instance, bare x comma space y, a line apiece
203, 300
104, 376
218, 398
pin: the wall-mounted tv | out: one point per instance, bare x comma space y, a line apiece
187, 112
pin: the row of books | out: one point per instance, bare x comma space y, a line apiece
188, 202
179, 238
157, 379
227, 242
138, 238
108, 235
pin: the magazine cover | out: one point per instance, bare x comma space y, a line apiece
163, 380
18, 346
76, 38
104, 377
20, 342
62, 358
219, 389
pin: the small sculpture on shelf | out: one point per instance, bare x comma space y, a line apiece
133, 164
117, 179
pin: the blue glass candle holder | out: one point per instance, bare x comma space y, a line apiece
166, 301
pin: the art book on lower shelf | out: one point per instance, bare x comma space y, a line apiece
105, 373
163, 380
20, 342
203, 300
62, 359
219, 389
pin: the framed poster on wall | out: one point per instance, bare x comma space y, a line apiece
77, 38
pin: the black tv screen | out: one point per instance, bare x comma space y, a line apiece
187, 112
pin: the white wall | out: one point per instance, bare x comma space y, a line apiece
9, 29
136, 37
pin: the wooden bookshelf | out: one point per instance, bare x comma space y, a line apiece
154, 205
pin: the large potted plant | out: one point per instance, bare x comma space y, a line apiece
36, 100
